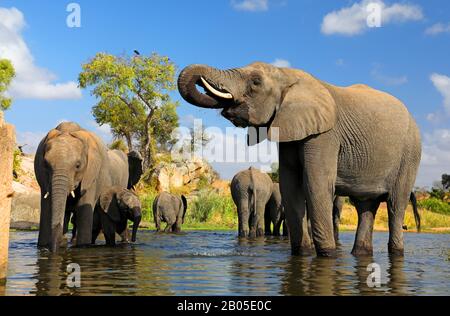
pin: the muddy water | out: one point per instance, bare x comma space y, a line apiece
217, 263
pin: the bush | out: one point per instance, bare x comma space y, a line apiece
208, 204
435, 205
119, 144
17, 161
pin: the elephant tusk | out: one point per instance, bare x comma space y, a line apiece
73, 194
215, 91
46, 195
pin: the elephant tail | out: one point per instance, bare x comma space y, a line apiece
416, 211
252, 203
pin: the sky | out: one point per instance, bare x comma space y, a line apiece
336, 41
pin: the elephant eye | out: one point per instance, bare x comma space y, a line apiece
78, 165
256, 81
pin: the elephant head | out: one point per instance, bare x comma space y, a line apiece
67, 165
122, 205
290, 103
135, 168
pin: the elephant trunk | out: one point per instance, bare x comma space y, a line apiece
217, 85
60, 185
137, 220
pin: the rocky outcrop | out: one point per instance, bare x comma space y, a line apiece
170, 175
7, 142
25, 208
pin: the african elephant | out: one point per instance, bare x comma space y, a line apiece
115, 207
72, 167
251, 190
349, 141
170, 209
275, 213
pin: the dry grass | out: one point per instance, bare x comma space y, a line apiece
431, 222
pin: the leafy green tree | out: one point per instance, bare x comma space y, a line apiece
131, 91
7, 73
164, 122
275, 172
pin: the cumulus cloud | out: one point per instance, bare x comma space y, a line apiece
435, 157
281, 63
250, 5
438, 28
31, 81
353, 20
442, 84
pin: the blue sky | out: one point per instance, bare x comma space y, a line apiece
408, 56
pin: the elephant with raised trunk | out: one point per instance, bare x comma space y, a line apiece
73, 167
251, 191
170, 209
348, 141
115, 208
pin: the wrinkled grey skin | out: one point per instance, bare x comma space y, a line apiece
113, 211
275, 213
251, 190
170, 209
348, 141
337, 211
70, 159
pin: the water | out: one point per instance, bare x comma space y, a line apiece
217, 263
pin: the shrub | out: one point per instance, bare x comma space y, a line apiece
435, 205
208, 204
119, 144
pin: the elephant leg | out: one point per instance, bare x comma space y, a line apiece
337, 209
320, 162
267, 222
396, 215
285, 229
293, 196
243, 218
157, 223
45, 223
177, 226
277, 228
168, 228
109, 229
259, 220
67, 216
84, 219
367, 211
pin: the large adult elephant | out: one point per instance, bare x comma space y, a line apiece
73, 167
251, 191
348, 141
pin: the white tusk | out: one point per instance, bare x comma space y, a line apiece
46, 195
215, 92
73, 194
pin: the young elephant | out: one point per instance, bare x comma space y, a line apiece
251, 190
275, 213
116, 206
170, 209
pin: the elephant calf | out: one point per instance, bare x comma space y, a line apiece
275, 213
116, 206
170, 209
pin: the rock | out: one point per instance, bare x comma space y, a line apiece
25, 207
180, 173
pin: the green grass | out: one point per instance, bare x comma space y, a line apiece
435, 205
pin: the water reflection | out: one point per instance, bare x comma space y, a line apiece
218, 263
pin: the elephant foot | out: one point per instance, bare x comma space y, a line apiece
327, 253
394, 251
302, 251
361, 251
243, 234
260, 233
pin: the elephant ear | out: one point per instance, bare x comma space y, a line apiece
307, 108
94, 158
109, 205
183, 199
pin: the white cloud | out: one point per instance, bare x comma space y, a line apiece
442, 84
353, 20
250, 5
31, 81
104, 131
435, 157
281, 63
438, 28
30, 140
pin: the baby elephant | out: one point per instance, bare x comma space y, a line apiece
274, 213
116, 206
170, 209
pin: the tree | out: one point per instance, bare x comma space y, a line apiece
446, 181
131, 92
164, 122
198, 138
7, 73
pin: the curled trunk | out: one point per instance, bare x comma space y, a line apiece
137, 220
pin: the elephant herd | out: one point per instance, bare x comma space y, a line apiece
333, 141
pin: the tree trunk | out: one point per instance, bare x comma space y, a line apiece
129, 142
147, 148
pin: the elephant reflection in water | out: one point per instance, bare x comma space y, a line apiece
102, 271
